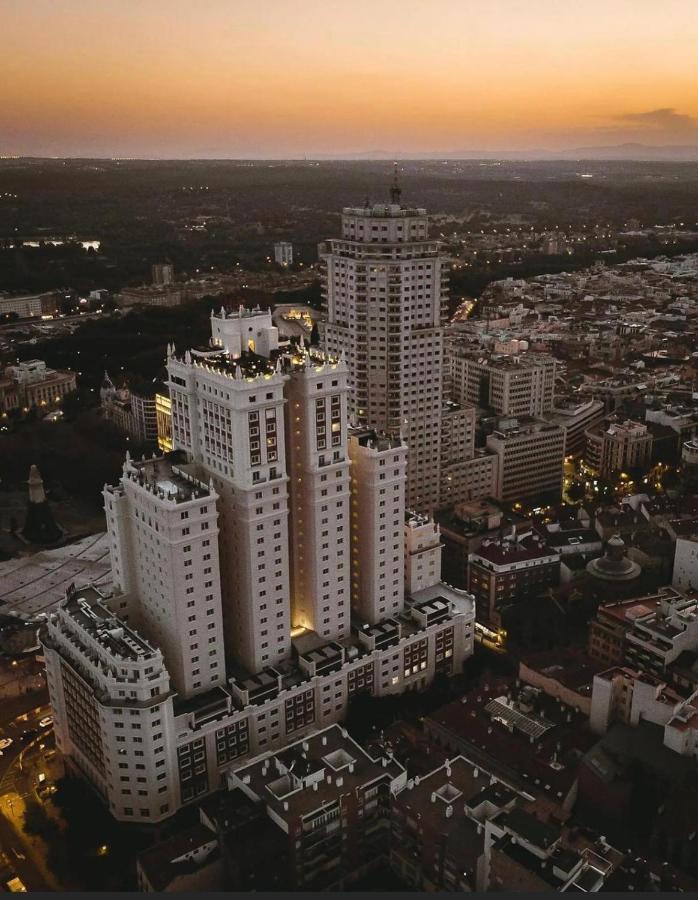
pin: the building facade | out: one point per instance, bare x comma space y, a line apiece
283, 253
33, 385
530, 460
201, 544
509, 384
385, 299
510, 570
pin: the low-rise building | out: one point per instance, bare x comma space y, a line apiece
188, 861
29, 306
607, 631
131, 410
331, 800
510, 570
32, 384
521, 735
152, 295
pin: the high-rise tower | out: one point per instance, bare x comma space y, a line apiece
386, 291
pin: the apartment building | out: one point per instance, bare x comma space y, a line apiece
617, 446
320, 495
510, 570
331, 800
521, 384
531, 456
378, 512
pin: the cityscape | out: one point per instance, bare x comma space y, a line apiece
348, 497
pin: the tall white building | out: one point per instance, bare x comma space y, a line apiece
228, 415
319, 480
386, 293
422, 553
237, 553
283, 253
164, 553
377, 512
112, 707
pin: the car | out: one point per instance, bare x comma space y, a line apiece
5, 743
46, 721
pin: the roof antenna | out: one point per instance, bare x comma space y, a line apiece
395, 189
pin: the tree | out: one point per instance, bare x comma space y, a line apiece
576, 491
37, 821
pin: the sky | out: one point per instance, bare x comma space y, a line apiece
295, 78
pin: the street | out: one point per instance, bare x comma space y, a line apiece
16, 786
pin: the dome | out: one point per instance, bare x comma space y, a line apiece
614, 565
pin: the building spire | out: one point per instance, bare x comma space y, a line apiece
395, 189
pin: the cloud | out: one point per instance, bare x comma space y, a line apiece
664, 119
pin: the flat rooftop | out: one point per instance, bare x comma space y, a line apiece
87, 609
167, 480
284, 780
502, 551
247, 365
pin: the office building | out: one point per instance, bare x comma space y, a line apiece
29, 306
33, 385
283, 253
385, 288
530, 459
163, 421
508, 384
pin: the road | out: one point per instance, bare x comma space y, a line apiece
21, 323
26, 712
22, 858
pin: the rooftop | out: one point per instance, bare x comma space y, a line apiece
165, 479
314, 772
87, 609
166, 860
383, 211
517, 548
537, 751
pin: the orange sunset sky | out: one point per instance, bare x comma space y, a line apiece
288, 78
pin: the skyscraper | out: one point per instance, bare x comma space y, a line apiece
385, 295
259, 580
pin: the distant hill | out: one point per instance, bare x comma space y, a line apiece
629, 151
